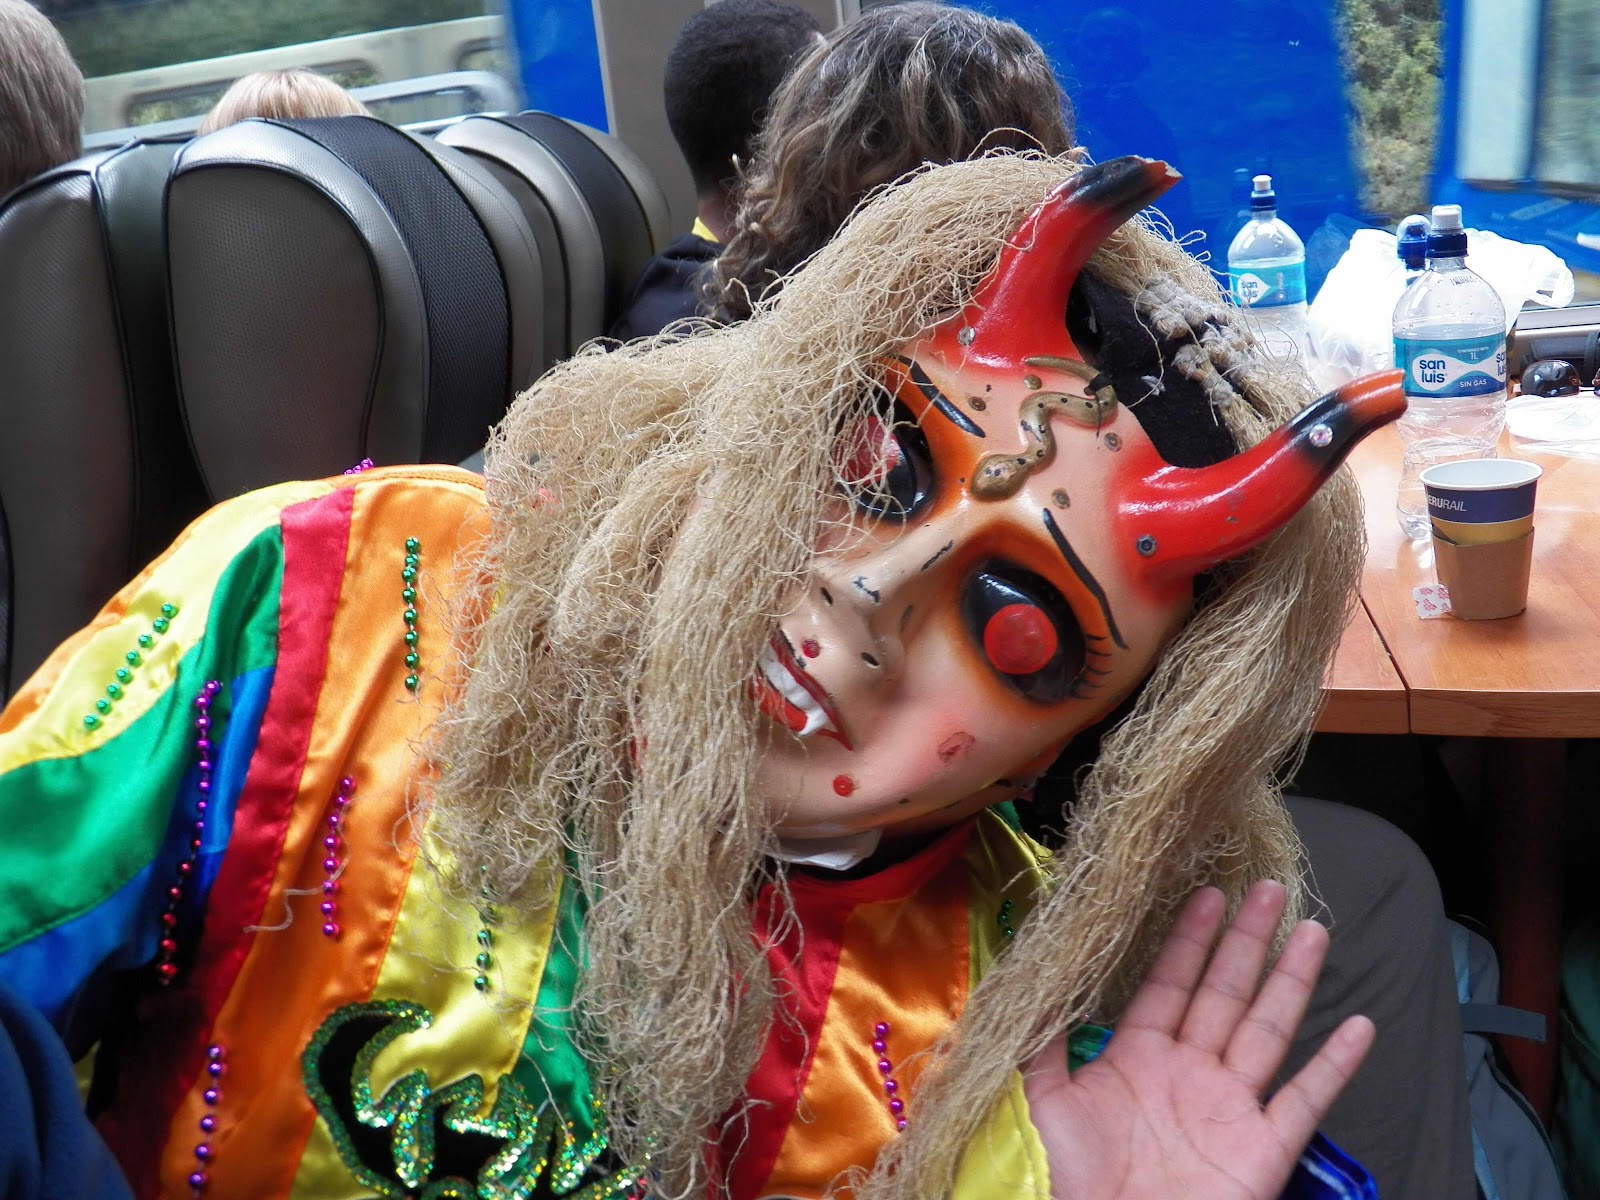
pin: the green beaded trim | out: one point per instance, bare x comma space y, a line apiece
408, 593
1003, 919
535, 1144
114, 691
487, 916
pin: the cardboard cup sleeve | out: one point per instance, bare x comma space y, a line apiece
1488, 581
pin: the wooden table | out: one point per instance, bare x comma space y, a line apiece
1524, 684
1363, 693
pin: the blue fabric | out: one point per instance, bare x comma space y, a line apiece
48, 1148
1326, 1172
54, 969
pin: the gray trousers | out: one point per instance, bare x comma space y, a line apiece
1404, 1116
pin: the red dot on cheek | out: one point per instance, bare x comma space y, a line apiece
1020, 639
810, 648
843, 784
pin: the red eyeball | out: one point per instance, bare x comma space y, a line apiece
869, 452
1020, 639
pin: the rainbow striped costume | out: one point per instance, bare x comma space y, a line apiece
210, 874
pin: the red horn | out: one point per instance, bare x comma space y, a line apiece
1181, 521
1023, 300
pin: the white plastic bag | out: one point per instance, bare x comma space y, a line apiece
1348, 326
1566, 425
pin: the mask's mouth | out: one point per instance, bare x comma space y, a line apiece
787, 694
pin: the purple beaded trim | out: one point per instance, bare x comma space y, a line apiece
364, 465
891, 1086
332, 844
167, 948
204, 1152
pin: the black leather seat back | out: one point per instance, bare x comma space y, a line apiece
569, 240
95, 472
629, 211
343, 291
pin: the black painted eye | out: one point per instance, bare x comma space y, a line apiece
887, 469
1025, 630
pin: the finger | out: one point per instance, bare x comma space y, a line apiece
1231, 980
1261, 1042
1299, 1106
1163, 997
1047, 1071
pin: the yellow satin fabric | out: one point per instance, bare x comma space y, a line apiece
431, 963
909, 962
1006, 1158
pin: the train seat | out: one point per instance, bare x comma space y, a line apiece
95, 474
342, 290
586, 192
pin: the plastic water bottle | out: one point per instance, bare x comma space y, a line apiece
1450, 340
1267, 271
1411, 245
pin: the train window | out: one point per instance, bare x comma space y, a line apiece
1567, 146
148, 61
1499, 65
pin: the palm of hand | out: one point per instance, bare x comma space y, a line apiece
1172, 1107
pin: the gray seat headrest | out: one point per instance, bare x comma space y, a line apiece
96, 477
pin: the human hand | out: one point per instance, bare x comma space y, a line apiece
1172, 1107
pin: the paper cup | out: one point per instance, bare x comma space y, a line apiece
1463, 533
1481, 501
1486, 581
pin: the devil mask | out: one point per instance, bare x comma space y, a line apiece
1044, 478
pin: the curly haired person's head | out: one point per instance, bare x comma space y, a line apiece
902, 86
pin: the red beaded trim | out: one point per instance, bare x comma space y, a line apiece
330, 864
216, 1067
167, 948
891, 1086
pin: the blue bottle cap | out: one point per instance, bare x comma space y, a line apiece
1411, 240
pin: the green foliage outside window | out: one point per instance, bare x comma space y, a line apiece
1392, 62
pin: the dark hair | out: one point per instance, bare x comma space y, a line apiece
902, 86
721, 73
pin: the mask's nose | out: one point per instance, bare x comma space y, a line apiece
861, 609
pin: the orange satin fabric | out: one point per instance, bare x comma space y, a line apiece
903, 963
908, 958
367, 726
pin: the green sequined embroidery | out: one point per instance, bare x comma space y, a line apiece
536, 1150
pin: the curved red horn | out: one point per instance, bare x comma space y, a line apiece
1181, 521
1025, 295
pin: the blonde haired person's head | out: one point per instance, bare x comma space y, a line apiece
282, 95
41, 96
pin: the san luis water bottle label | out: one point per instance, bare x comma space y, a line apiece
1259, 286
1443, 367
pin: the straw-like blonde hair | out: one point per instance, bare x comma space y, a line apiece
652, 508
281, 96
41, 96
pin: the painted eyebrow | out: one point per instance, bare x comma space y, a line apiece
938, 399
1085, 576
